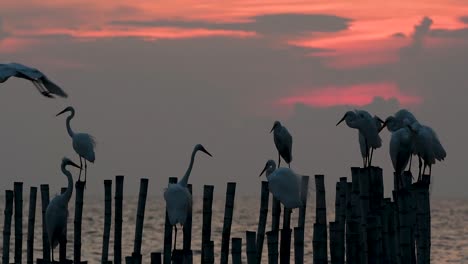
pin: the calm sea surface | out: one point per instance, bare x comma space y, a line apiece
449, 227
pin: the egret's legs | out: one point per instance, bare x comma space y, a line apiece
175, 237
279, 159
420, 167
81, 168
371, 154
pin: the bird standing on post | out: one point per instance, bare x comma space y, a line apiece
366, 124
362, 141
177, 196
45, 86
401, 149
283, 184
57, 211
283, 143
83, 143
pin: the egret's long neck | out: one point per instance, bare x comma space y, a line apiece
68, 193
269, 171
69, 118
184, 179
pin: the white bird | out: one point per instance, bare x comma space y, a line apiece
177, 196
283, 184
362, 141
83, 143
427, 146
57, 211
401, 149
283, 143
365, 123
45, 86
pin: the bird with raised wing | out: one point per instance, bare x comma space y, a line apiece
283, 143
56, 214
283, 184
43, 84
177, 196
83, 143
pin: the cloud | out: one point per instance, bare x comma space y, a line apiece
3, 33
399, 35
464, 19
420, 32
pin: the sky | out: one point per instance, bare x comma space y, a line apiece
150, 79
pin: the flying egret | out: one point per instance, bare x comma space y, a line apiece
401, 149
366, 124
57, 211
283, 143
427, 146
177, 196
45, 86
362, 141
283, 184
83, 143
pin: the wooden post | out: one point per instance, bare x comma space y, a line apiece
275, 214
320, 227
262, 219
298, 245
208, 255
364, 181
18, 191
272, 239
7, 226
155, 257
206, 227
31, 221
423, 219
396, 226
119, 183
45, 239
251, 247
228, 212
140, 217
79, 186
236, 250
285, 243
372, 240
178, 256
340, 232
333, 226
63, 244
168, 233
355, 221
403, 197
107, 220
187, 232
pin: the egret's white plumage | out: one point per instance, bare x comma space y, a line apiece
45, 86
57, 211
177, 196
83, 143
368, 129
365, 150
283, 142
401, 148
283, 184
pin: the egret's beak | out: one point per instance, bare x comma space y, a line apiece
380, 120
74, 165
383, 126
63, 111
273, 128
264, 169
339, 122
207, 153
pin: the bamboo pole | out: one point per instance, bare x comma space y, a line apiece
208, 255
355, 221
272, 239
298, 245
285, 243
31, 221
334, 254
168, 233
155, 257
372, 240
405, 225
187, 232
423, 220
107, 220
275, 214
18, 191
262, 220
319, 240
207, 216
304, 194
340, 232
364, 180
228, 212
45, 239
7, 226
63, 243
178, 256
140, 217
79, 186
236, 250
251, 248
119, 184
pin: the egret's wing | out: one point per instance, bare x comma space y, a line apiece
178, 202
283, 143
52, 87
439, 150
362, 144
284, 185
6, 72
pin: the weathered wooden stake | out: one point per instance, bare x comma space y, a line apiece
168, 233
319, 240
334, 252
403, 197
45, 239
187, 232
364, 181
18, 191
340, 232
236, 250
251, 248
7, 226
262, 219
107, 220
79, 186
272, 240
299, 237
228, 212
177, 256
63, 244
285, 243
31, 221
155, 257
423, 220
206, 225
208, 255
355, 222
275, 214
298, 245
119, 181
140, 217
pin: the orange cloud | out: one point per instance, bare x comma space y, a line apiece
354, 95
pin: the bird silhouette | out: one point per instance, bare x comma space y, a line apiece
283, 143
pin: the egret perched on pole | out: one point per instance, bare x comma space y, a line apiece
83, 143
45, 86
362, 141
57, 211
283, 184
283, 143
427, 146
365, 123
401, 149
177, 196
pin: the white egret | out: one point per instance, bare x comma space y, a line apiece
283, 184
365, 123
427, 146
45, 86
57, 211
283, 143
177, 196
362, 141
83, 143
401, 149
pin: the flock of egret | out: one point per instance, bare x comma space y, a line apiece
408, 138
